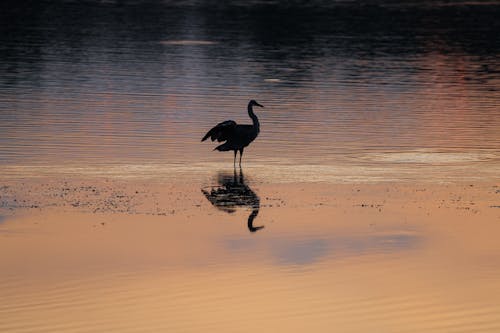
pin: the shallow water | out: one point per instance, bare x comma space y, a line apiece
344, 85
233, 254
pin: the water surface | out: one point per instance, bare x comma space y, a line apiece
125, 256
368, 203
344, 84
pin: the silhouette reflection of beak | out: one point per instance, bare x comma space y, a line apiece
231, 192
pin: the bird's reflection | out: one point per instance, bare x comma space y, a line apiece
231, 192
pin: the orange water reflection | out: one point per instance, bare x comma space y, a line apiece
392, 257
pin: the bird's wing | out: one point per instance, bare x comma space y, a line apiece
221, 131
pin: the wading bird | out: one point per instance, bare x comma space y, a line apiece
237, 137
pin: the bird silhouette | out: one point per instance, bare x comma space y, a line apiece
232, 192
237, 136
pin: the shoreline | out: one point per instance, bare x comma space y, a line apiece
417, 166
160, 197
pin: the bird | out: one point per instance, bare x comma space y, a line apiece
237, 136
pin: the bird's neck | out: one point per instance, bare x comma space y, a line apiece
252, 115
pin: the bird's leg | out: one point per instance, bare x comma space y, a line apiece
242, 178
241, 154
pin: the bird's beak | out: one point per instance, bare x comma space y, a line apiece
259, 105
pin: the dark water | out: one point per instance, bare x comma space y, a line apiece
347, 84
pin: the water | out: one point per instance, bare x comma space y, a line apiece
343, 84
372, 257
114, 217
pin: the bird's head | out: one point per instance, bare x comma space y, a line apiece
253, 102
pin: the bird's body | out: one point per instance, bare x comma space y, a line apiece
236, 136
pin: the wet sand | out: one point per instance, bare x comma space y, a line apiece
231, 254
